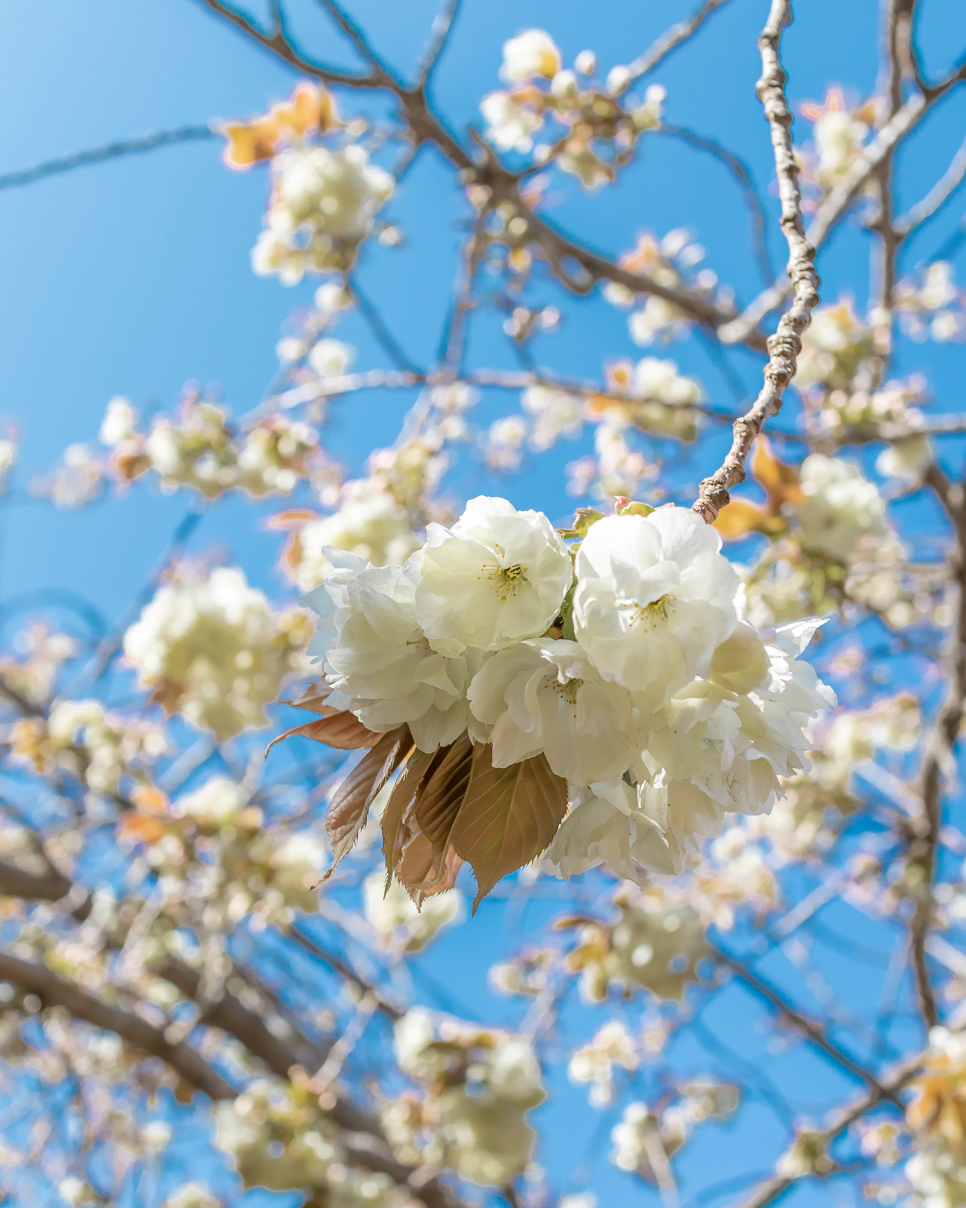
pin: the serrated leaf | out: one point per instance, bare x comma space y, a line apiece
440, 801
401, 800
436, 809
422, 873
350, 806
344, 731
508, 817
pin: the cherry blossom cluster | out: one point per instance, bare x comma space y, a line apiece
598, 124
479, 1084
620, 670
214, 651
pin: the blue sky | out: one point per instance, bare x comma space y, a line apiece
132, 277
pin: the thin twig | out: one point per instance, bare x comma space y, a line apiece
742, 173
840, 198
383, 335
785, 345
278, 44
438, 36
936, 198
811, 1030
674, 37
97, 155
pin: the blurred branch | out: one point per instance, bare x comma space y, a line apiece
812, 1031
439, 34
56, 991
674, 38
840, 198
742, 174
773, 1189
494, 378
785, 345
277, 43
424, 126
341, 967
80, 159
937, 196
381, 332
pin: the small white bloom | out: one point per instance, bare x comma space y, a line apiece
118, 423
510, 121
330, 358
496, 577
532, 53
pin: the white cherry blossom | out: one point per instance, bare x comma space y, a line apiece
382, 663
654, 598
530, 54
496, 577
544, 695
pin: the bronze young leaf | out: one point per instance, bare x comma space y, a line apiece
341, 730
350, 805
508, 816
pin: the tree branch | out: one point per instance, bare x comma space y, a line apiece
937, 196
438, 36
742, 174
838, 200
785, 345
56, 991
278, 44
79, 159
674, 37
812, 1031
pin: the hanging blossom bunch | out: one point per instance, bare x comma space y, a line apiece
323, 199
598, 125
606, 700
214, 651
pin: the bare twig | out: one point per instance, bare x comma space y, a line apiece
937, 196
380, 331
438, 36
97, 155
674, 37
278, 44
808, 1028
924, 837
785, 345
742, 174
357, 37
840, 198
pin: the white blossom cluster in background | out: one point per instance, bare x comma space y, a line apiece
214, 651
322, 206
623, 661
839, 134
672, 262
278, 1138
478, 1086
597, 124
